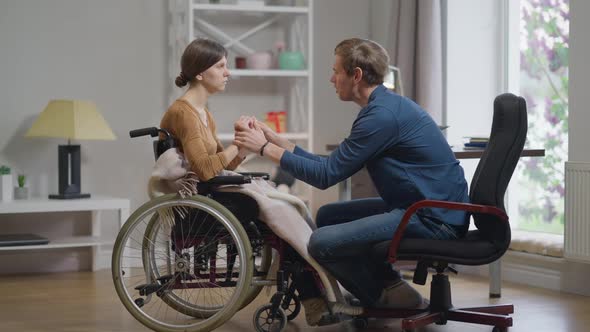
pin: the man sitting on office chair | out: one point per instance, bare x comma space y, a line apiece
408, 160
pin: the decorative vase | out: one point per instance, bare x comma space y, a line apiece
259, 60
21, 193
291, 61
6, 188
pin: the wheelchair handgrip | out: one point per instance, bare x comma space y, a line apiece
231, 179
152, 131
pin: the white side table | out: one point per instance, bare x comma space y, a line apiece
94, 204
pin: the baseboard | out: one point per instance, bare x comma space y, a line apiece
526, 269
104, 260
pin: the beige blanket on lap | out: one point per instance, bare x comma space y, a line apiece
286, 215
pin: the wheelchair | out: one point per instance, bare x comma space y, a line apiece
189, 264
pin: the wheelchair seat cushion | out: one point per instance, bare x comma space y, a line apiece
244, 207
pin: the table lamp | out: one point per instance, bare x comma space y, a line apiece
74, 120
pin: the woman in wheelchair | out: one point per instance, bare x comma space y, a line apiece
204, 69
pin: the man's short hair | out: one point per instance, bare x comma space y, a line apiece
365, 54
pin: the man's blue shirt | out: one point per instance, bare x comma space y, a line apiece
405, 153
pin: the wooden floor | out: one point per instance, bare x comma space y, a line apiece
86, 301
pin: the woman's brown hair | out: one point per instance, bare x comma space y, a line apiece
197, 57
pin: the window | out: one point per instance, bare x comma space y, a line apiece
537, 190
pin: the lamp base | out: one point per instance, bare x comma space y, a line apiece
69, 196
69, 173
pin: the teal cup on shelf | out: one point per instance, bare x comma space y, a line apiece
291, 61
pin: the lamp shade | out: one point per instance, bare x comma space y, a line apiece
71, 119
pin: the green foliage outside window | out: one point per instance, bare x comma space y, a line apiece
544, 55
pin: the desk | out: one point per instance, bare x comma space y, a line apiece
345, 194
344, 187
95, 204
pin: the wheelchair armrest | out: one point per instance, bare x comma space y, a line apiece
263, 175
468, 207
206, 187
230, 179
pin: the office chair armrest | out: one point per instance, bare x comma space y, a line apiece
473, 208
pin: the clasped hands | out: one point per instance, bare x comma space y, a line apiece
251, 134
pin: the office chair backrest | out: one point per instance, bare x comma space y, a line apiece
493, 173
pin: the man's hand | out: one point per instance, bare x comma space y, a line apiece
250, 139
270, 135
273, 137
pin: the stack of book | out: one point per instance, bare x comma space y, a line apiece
476, 143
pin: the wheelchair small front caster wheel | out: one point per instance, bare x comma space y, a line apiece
292, 308
360, 323
267, 321
139, 302
499, 329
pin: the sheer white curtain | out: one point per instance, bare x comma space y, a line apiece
415, 46
177, 41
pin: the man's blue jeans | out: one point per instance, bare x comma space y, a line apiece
348, 230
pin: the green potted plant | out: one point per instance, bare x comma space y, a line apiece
21, 192
5, 184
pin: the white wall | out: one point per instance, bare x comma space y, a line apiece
579, 116
574, 275
473, 66
111, 52
334, 20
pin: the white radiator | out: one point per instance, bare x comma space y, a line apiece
577, 211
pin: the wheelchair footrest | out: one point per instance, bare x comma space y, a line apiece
165, 279
147, 289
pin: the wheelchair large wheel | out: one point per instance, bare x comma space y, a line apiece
261, 266
262, 263
182, 264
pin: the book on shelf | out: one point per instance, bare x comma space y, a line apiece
474, 146
476, 142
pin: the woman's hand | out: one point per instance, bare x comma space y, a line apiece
244, 123
250, 139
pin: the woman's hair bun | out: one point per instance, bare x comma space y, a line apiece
181, 80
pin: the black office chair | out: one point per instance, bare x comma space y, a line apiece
482, 246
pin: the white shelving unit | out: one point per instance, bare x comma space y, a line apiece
245, 29
250, 8
269, 73
95, 204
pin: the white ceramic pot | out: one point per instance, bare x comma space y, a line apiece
259, 60
6, 188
